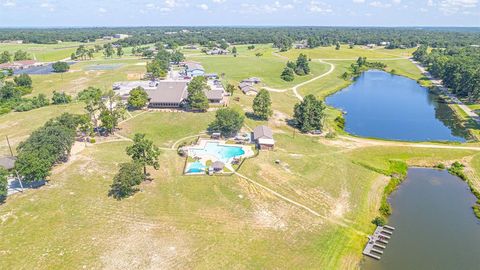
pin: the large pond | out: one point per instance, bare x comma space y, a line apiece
435, 225
381, 105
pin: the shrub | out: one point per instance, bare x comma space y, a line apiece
287, 74
440, 166
60, 67
457, 169
61, 98
23, 80
3, 184
92, 140
331, 135
340, 121
379, 221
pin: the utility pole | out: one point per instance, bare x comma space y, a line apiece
16, 172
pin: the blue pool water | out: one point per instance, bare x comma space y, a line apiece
196, 167
222, 152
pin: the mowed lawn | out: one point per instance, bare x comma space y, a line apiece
186, 222
48, 52
202, 222
346, 53
19, 125
82, 75
267, 67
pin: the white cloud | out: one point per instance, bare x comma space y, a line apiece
248, 8
9, 3
170, 3
102, 10
203, 6
430, 3
397, 1
454, 6
379, 4
359, 1
319, 7
48, 6
219, 1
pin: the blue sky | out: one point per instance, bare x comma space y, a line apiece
18, 13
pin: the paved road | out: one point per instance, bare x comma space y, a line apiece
438, 83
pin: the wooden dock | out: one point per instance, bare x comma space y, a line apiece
378, 241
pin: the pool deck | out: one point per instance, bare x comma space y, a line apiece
206, 157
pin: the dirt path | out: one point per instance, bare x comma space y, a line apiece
438, 83
365, 142
295, 88
308, 209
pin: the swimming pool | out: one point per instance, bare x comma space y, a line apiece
222, 152
196, 167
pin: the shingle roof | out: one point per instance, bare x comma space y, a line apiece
7, 163
262, 132
248, 88
218, 165
214, 94
193, 65
244, 84
168, 92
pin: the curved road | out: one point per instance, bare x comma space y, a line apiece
295, 88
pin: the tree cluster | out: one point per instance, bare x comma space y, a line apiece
3, 184
227, 121
319, 36
138, 98
158, 68
299, 67
262, 105
11, 95
459, 69
60, 67
143, 153
197, 99
47, 146
309, 114
104, 109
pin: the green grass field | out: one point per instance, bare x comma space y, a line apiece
80, 77
202, 222
267, 67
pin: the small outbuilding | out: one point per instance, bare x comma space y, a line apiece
7, 163
218, 166
263, 137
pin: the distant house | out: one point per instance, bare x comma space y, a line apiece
18, 41
384, 43
371, 45
217, 51
253, 80
215, 96
211, 76
193, 69
191, 47
301, 44
263, 137
168, 94
107, 38
247, 86
18, 65
120, 36
7, 163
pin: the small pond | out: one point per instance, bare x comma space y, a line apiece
381, 105
435, 225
